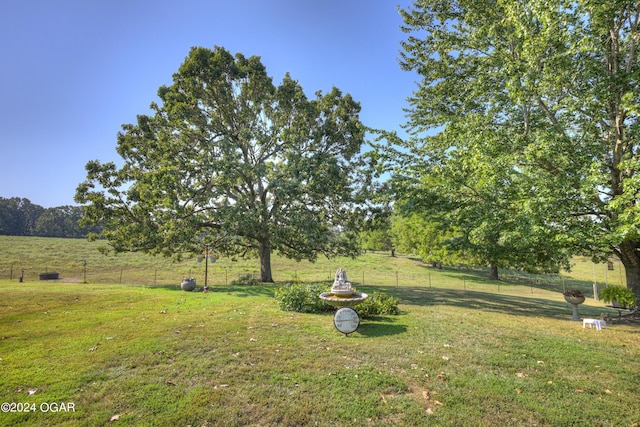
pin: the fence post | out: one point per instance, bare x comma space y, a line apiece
121, 275
396, 278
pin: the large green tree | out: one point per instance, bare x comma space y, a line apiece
230, 160
62, 221
476, 207
543, 94
18, 216
415, 234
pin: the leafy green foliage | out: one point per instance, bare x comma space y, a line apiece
305, 298
233, 161
376, 240
524, 129
20, 217
624, 296
414, 234
378, 304
376, 233
302, 297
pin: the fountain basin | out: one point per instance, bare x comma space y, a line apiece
343, 299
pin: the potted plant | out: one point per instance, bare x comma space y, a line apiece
574, 297
618, 296
188, 284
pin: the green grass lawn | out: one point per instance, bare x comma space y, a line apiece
461, 355
160, 356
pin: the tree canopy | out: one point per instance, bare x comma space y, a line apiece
20, 217
533, 111
232, 161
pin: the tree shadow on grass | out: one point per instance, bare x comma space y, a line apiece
373, 327
246, 291
165, 287
239, 291
512, 278
493, 302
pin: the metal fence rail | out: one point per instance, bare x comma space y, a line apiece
470, 279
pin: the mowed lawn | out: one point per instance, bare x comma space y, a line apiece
88, 354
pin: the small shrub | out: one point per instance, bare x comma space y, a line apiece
378, 304
305, 298
302, 298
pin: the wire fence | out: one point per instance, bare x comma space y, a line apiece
463, 278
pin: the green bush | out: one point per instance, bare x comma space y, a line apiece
305, 298
302, 298
377, 304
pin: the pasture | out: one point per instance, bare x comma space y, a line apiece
463, 351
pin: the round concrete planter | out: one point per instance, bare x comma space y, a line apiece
188, 284
574, 301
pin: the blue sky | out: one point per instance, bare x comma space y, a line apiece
74, 71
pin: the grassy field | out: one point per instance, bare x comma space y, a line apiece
80, 261
468, 354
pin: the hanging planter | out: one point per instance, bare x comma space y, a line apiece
618, 296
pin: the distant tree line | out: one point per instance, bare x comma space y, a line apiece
20, 217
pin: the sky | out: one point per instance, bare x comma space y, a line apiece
75, 71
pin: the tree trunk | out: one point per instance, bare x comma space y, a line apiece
493, 275
265, 262
631, 261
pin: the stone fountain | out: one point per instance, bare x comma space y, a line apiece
343, 296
